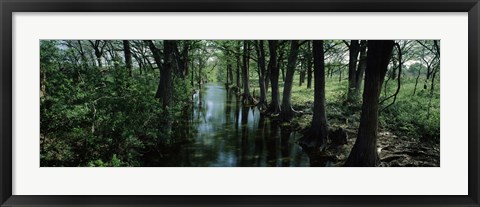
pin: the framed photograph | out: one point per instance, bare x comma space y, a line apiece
239, 103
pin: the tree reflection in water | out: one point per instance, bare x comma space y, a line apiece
226, 134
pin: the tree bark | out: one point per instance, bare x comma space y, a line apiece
287, 112
364, 151
164, 90
247, 98
128, 56
192, 69
352, 67
362, 64
262, 71
302, 73
230, 72
182, 59
98, 50
309, 67
274, 107
318, 133
227, 80
238, 65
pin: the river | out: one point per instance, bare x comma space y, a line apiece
226, 134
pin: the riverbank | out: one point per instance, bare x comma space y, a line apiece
397, 145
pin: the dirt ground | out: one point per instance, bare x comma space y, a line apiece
393, 150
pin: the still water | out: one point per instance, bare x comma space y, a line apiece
226, 134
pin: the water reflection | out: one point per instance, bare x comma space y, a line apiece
228, 134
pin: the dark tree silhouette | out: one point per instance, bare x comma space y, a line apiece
354, 49
287, 112
309, 66
274, 107
364, 151
164, 90
362, 65
247, 99
128, 56
99, 48
259, 46
318, 132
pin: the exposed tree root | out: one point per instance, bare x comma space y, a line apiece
287, 115
248, 100
273, 109
312, 138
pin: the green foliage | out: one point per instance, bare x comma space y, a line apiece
94, 116
114, 162
413, 115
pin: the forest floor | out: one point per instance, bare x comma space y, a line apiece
393, 150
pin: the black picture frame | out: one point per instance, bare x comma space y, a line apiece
7, 7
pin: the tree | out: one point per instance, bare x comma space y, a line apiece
364, 151
318, 132
400, 64
164, 90
287, 112
181, 57
227, 52
274, 107
229, 79
309, 65
354, 49
128, 56
261, 73
98, 47
247, 99
416, 68
237, 55
362, 65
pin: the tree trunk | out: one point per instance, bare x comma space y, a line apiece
280, 65
287, 112
309, 67
302, 74
181, 59
340, 75
427, 76
262, 71
352, 67
318, 133
280, 61
98, 50
267, 79
138, 59
247, 98
416, 81
128, 56
201, 65
362, 64
193, 74
227, 79
364, 151
164, 90
238, 66
230, 73
99, 59
274, 107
